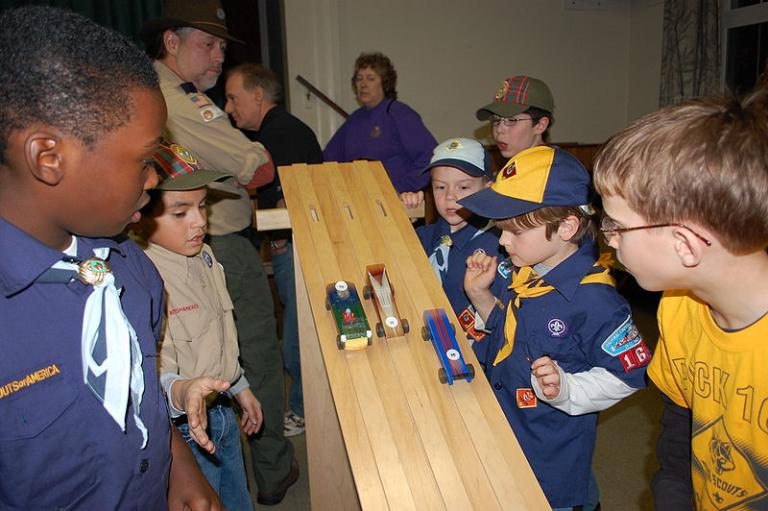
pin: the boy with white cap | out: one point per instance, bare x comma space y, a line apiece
459, 167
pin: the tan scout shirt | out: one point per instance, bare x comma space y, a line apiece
200, 337
217, 145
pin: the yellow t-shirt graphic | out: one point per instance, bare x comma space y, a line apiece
723, 378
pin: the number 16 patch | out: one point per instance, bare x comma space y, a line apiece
626, 344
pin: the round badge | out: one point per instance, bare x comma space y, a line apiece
391, 322
341, 286
93, 271
557, 327
220, 14
452, 354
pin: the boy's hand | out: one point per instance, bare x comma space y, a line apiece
189, 395
481, 271
412, 200
251, 407
188, 490
547, 374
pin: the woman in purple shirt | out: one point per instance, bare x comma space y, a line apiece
383, 128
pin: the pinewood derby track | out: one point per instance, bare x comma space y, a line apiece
382, 431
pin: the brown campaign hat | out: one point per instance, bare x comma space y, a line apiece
205, 15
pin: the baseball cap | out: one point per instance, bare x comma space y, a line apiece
465, 154
517, 94
179, 170
538, 177
205, 15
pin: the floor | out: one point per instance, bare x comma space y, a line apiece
624, 457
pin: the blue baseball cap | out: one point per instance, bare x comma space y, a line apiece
533, 179
465, 154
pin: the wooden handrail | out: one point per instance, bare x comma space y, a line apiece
325, 99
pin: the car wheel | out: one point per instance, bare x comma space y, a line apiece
339, 343
327, 304
379, 330
406, 326
367, 292
470, 371
425, 333
442, 375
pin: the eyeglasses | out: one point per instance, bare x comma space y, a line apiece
508, 122
610, 230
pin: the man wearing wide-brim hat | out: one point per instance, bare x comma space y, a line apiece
188, 44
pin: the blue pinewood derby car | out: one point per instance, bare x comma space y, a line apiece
348, 314
442, 333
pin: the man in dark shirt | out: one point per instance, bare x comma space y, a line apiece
253, 94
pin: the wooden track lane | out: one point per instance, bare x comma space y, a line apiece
411, 442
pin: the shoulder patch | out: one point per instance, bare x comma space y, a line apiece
505, 269
624, 338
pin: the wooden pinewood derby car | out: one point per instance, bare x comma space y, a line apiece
443, 336
379, 289
348, 314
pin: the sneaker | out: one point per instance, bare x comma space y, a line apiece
293, 424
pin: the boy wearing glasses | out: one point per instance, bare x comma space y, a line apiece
684, 192
520, 114
563, 344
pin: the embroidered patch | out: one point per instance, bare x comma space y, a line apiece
210, 112
208, 259
526, 398
376, 132
467, 322
509, 171
505, 269
624, 338
10, 387
636, 357
557, 327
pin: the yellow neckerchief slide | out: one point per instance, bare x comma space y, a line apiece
527, 284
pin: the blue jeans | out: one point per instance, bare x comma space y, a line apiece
285, 279
225, 469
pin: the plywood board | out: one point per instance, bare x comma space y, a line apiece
406, 440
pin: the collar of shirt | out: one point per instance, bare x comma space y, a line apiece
167, 75
30, 257
169, 260
461, 237
566, 276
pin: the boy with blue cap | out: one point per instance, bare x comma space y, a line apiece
563, 343
459, 167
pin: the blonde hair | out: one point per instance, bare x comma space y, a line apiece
702, 161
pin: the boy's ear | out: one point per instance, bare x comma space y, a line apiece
688, 247
541, 126
568, 228
44, 154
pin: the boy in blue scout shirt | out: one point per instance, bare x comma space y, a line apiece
563, 344
200, 337
83, 420
459, 167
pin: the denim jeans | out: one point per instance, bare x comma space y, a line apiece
282, 265
224, 469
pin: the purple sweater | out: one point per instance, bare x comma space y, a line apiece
391, 132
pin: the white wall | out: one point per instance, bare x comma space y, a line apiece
451, 57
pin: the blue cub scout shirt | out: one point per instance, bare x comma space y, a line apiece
581, 326
465, 242
59, 448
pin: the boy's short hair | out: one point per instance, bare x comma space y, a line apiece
551, 218
61, 69
465, 154
383, 67
702, 161
255, 75
541, 176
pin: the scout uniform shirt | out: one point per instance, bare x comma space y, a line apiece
463, 243
200, 337
58, 445
720, 376
581, 326
195, 122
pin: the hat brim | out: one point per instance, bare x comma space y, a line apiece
501, 110
462, 165
192, 181
489, 203
153, 26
